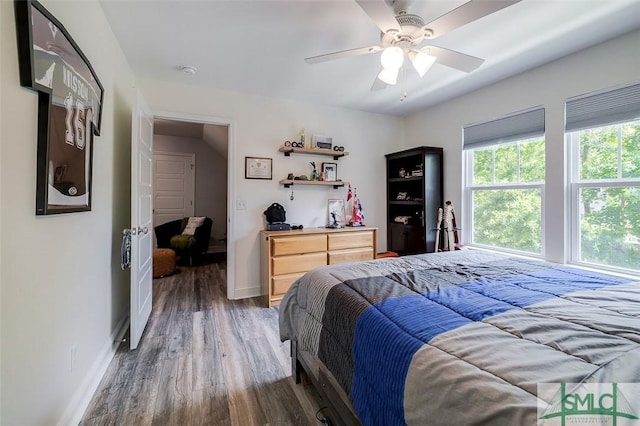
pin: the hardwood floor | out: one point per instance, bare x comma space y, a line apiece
203, 360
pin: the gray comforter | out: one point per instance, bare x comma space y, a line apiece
470, 338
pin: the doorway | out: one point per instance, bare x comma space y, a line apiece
209, 140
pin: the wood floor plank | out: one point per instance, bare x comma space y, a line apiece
203, 360
138, 405
279, 404
174, 400
211, 407
244, 408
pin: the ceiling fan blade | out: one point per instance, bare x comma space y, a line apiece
453, 59
468, 12
342, 54
380, 14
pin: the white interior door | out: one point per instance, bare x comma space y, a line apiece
141, 218
173, 186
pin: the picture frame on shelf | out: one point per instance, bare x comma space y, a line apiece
322, 142
70, 99
258, 168
335, 214
330, 171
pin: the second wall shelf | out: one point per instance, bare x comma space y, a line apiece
314, 151
336, 184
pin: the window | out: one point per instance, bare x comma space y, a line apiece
506, 187
603, 130
505, 169
606, 195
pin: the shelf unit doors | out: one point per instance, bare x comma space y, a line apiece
414, 194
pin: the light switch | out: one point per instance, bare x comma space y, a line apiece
241, 204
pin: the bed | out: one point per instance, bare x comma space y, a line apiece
460, 337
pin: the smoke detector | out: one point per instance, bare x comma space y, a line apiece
187, 69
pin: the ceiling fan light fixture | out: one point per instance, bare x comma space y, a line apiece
421, 62
392, 58
389, 75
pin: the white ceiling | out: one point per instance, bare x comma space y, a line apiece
258, 47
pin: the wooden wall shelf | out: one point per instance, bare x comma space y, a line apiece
336, 184
313, 151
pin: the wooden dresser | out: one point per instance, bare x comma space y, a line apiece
287, 255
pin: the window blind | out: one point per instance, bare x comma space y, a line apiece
518, 126
600, 109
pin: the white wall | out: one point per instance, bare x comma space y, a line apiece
60, 280
259, 127
609, 64
210, 179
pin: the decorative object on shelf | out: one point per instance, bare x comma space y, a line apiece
257, 168
301, 137
330, 171
287, 143
402, 219
301, 177
357, 217
401, 196
335, 214
322, 142
402, 173
290, 176
50, 63
338, 148
314, 172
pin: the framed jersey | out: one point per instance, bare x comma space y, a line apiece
70, 100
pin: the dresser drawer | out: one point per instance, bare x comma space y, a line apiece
350, 255
298, 263
281, 283
298, 245
345, 240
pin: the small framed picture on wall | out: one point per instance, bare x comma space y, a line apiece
330, 171
257, 168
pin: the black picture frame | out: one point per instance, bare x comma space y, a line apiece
330, 171
258, 168
70, 101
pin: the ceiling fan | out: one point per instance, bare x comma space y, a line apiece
405, 34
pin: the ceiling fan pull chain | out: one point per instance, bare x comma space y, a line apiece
403, 88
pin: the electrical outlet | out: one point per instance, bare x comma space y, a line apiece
241, 204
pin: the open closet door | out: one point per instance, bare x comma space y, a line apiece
141, 217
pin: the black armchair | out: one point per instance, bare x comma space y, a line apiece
169, 235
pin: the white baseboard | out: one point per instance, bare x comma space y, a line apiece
245, 293
82, 397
